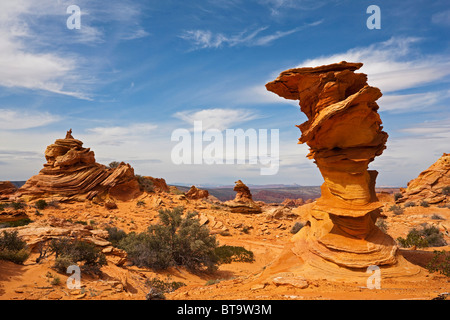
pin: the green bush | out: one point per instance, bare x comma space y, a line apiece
115, 235
381, 223
41, 204
145, 183
397, 196
296, 227
114, 164
228, 254
440, 263
446, 190
427, 236
18, 205
175, 241
69, 252
13, 248
424, 204
396, 209
17, 223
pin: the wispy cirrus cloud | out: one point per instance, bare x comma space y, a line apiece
118, 135
16, 120
217, 118
36, 50
203, 39
392, 65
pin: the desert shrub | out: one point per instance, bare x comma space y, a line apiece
228, 254
427, 236
114, 164
140, 203
296, 227
115, 235
397, 196
17, 223
446, 190
409, 204
41, 204
17, 205
435, 216
3, 206
175, 241
396, 209
440, 263
53, 203
13, 248
69, 252
159, 287
381, 223
424, 204
145, 183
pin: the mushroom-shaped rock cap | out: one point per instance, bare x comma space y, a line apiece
286, 85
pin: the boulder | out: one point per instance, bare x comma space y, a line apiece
196, 194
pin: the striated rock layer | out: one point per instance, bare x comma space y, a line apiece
72, 173
6, 188
344, 134
432, 185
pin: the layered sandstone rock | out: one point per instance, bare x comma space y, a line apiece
344, 134
432, 185
40, 232
196, 194
293, 202
159, 184
243, 202
6, 189
72, 173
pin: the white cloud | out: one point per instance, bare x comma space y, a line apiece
21, 65
15, 120
392, 65
202, 39
217, 118
118, 135
442, 18
398, 103
277, 6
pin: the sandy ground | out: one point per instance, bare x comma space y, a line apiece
267, 238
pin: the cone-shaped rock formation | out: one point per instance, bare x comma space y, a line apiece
72, 173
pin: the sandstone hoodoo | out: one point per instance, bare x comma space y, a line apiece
243, 202
71, 173
432, 186
344, 133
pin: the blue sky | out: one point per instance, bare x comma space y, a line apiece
138, 70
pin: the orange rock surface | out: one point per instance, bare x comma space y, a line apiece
6, 188
195, 194
432, 185
71, 173
344, 134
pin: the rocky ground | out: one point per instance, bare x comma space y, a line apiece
266, 234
